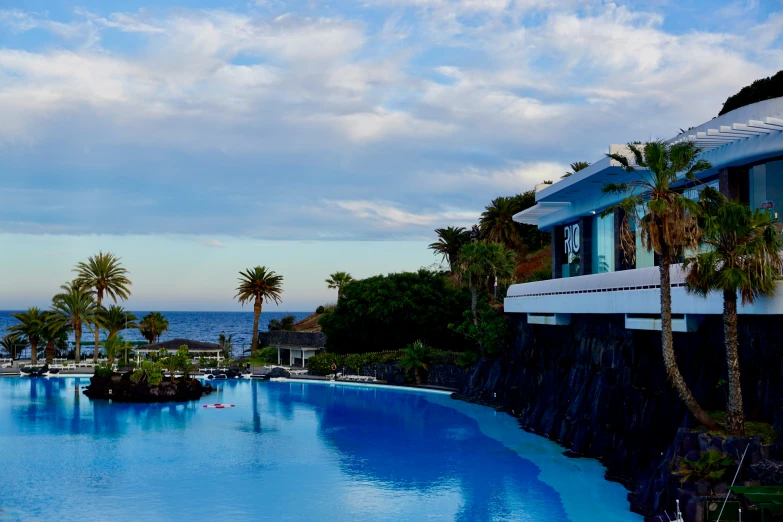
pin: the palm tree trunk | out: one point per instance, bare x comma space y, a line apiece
77, 333
256, 315
33, 354
474, 304
735, 419
49, 353
98, 299
667, 345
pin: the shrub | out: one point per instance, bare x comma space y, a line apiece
267, 354
151, 371
320, 310
467, 359
386, 312
322, 362
104, 370
416, 357
285, 323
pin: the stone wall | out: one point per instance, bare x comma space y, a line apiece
601, 390
444, 375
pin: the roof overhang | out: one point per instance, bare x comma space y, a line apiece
534, 214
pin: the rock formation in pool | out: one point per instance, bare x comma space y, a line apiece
120, 388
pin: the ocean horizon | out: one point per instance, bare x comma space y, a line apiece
196, 326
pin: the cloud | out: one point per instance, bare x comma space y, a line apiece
315, 122
212, 242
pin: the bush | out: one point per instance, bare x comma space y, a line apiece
286, 324
467, 359
387, 312
104, 370
267, 354
322, 363
320, 310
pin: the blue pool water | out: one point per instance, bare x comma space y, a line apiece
287, 451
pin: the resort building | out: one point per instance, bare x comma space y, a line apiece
590, 273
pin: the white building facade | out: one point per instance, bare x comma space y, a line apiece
590, 273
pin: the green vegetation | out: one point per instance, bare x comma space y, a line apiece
450, 240
150, 371
116, 318
285, 324
764, 430
114, 346
667, 222
322, 362
339, 280
258, 285
711, 467
29, 330
13, 345
105, 276
488, 329
742, 258
575, 167
481, 262
760, 90
388, 312
152, 326
74, 308
267, 354
416, 357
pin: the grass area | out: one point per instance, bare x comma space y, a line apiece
257, 361
765, 431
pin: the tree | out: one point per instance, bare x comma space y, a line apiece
450, 240
481, 260
666, 221
74, 307
530, 236
258, 285
54, 334
103, 274
497, 223
576, 167
760, 90
31, 327
152, 326
386, 312
13, 345
114, 346
116, 319
741, 259
286, 323
338, 280
416, 357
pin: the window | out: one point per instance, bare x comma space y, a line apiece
604, 244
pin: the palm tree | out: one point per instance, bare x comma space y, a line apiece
116, 318
338, 280
258, 284
497, 223
666, 221
104, 274
741, 258
152, 326
480, 260
13, 345
450, 240
114, 346
31, 326
75, 307
416, 357
576, 167
54, 334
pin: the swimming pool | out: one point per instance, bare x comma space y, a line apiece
286, 451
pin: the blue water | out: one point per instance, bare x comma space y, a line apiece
198, 326
287, 451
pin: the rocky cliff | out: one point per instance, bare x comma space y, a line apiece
601, 390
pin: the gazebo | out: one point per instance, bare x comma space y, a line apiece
198, 348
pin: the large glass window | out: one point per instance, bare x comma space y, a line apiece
605, 244
572, 242
766, 187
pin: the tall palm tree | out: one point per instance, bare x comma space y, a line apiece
258, 284
103, 274
31, 326
152, 326
497, 223
450, 240
338, 280
74, 307
116, 318
54, 334
667, 223
480, 260
576, 167
741, 259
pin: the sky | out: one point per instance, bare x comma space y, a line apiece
197, 138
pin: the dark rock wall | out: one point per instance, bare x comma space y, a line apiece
601, 390
445, 375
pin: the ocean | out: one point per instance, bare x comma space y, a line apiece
197, 326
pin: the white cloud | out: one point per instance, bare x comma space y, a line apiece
390, 214
212, 242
